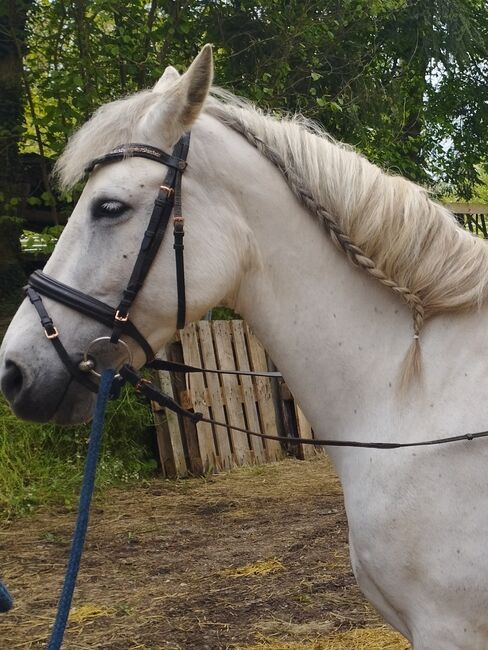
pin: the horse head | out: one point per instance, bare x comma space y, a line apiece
101, 242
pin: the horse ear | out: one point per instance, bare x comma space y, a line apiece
196, 82
169, 75
182, 97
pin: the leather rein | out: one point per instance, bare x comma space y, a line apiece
167, 203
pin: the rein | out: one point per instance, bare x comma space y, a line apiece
152, 393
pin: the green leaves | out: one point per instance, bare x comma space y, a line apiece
35, 243
393, 78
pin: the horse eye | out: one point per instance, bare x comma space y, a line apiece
108, 208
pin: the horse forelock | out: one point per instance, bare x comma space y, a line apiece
111, 125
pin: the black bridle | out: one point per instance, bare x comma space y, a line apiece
167, 203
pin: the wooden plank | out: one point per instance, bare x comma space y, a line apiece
225, 356
250, 409
214, 395
210, 396
172, 423
196, 381
189, 434
257, 357
290, 424
305, 431
165, 449
467, 208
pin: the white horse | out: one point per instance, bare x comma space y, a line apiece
259, 211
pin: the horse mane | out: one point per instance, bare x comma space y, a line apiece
384, 223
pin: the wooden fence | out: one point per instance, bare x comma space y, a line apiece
258, 403
473, 216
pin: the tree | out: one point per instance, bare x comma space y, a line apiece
13, 15
402, 80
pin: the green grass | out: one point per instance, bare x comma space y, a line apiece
43, 464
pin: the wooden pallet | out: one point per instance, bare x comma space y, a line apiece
242, 401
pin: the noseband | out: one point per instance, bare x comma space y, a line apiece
168, 201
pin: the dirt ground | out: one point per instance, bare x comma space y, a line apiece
253, 558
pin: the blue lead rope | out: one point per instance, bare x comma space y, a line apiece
79, 535
6, 601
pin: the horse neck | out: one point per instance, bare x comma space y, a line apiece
338, 336
324, 323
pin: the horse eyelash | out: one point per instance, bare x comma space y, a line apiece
109, 207
112, 206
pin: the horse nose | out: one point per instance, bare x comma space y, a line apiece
12, 380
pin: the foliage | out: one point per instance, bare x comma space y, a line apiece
481, 189
43, 464
403, 80
12, 276
34, 243
223, 313
10, 229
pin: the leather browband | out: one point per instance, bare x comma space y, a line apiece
141, 151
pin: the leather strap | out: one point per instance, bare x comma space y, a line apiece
153, 236
152, 393
174, 366
53, 336
134, 149
84, 304
145, 387
178, 234
169, 196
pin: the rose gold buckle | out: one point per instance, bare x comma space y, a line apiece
54, 335
178, 219
169, 190
120, 318
138, 387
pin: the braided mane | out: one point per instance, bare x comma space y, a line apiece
385, 224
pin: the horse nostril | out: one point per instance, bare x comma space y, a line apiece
12, 380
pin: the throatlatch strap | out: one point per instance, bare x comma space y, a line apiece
178, 234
